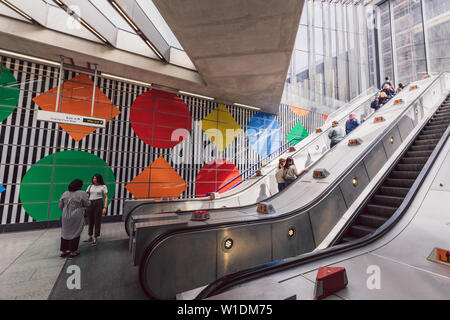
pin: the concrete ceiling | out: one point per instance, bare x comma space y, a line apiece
241, 48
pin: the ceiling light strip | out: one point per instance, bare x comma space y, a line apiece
195, 95
113, 77
246, 106
29, 58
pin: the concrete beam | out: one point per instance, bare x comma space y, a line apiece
36, 41
242, 48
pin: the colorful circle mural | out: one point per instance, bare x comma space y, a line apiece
215, 174
37, 189
264, 133
160, 119
9, 93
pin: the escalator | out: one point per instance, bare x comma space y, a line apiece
187, 254
254, 188
391, 193
379, 213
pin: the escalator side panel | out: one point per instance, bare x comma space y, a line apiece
375, 160
301, 241
351, 191
326, 214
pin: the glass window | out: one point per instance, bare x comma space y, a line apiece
409, 40
437, 17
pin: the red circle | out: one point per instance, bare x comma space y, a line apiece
215, 174
157, 117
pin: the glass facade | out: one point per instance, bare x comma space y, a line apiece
344, 48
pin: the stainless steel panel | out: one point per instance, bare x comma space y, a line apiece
350, 191
299, 287
375, 160
181, 263
284, 246
397, 280
428, 230
326, 214
147, 231
389, 147
405, 126
251, 246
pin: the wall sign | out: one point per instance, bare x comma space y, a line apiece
70, 119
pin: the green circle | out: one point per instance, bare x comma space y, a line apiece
9, 93
62, 168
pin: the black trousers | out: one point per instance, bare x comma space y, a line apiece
95, 217
70, 245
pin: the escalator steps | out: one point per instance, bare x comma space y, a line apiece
360, 231
391, 201
390, 195
407, 160
379, 210
393, 191
409, 167
371, 220
404, 183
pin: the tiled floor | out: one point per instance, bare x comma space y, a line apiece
30, 261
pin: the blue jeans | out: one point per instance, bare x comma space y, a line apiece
281, 186
288, 182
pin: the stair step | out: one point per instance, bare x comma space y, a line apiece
424, 147
403, 183
424, 136
348, 239
359, 231
427, 130
435, 127
415, 160
371, 220
387, 200
404, 174
408, 167
377, 210
418, 154
393, 191
442, 116
439, 121
426, 142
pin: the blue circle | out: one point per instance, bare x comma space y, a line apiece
264, 133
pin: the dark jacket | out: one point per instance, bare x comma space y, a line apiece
389, 92
350, 125
382, 101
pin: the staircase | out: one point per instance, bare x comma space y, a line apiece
393, 190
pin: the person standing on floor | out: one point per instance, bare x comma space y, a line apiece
279, 174
96, 191
73, 204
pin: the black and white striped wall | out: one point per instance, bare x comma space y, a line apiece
24, 140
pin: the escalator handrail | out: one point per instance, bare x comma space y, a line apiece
165, 235
282, 148
228, 281
303, 148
